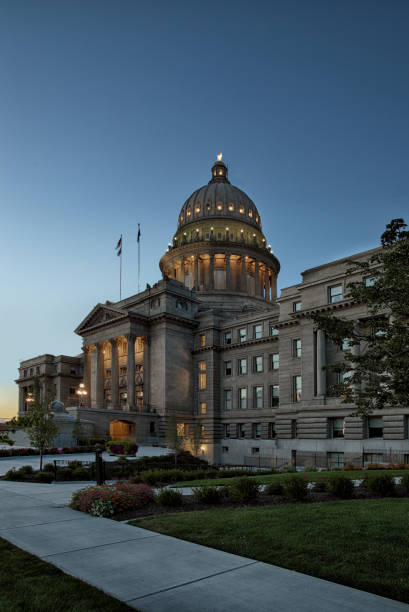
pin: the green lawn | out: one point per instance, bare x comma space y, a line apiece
360, 543
311, 476
31, 585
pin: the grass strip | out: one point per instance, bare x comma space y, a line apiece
358, 543
31, 585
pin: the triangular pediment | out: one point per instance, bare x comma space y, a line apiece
100, 315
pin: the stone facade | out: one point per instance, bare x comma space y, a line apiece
212, 343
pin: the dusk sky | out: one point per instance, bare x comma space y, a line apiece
112, 113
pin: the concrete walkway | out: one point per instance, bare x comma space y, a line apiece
158, 573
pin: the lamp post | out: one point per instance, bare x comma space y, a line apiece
29, 399
82, 394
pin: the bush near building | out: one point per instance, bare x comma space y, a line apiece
106, 500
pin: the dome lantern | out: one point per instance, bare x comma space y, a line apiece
219, 171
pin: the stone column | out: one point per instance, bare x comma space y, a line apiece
243, 274
183, 275
227, 259
100, 376
321, 361
211, 271
87, 374
256, 277
21, 400
131, 372
146, 372
196, 272
114, 375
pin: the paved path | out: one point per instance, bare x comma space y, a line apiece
157, 573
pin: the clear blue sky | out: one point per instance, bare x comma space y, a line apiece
113, 112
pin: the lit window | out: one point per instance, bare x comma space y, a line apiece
202, 375
297, 388
227, 430
242, 366
275, 361
227, 368
256, 430
274, 395
207, 207
227, 399
231, 207
274, 331
203, 408
336, 426
197, 209
243, 398
258, 363
241, 210
180, 429
297, 348
202, 339
258, 397
375, 427
219, 206
335, 294
188, 212
250, 212
242, 334
227, 337
257, 331
297, 306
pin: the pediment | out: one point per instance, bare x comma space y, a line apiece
100, 315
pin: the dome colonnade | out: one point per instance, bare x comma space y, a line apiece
219, 245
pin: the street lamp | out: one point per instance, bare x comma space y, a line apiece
29, 399
82, 394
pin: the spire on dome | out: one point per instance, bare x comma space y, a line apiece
219, 171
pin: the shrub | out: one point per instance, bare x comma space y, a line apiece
340, 486
26, 469
350, 466
243, 489
274, 488
375, 466
405, 482
320, 486
81, 473
170, 497
121, 497
14, 474
295, 487
44, 477
122, 447
208, 495
48, 467
65, 474
382, 485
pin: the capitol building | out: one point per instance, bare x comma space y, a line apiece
213, 343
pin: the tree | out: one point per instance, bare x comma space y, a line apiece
5, 435
197, 437
375, 369
173, 440
39, 422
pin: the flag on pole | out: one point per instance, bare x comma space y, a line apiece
139, 232
119, 246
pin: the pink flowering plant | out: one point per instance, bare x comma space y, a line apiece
107, 500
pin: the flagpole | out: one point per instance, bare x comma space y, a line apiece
120, 273
139, 257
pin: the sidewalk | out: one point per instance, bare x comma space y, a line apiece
157, 573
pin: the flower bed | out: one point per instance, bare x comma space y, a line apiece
66, 450
122, 447
107, 500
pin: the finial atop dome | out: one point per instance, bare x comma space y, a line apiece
219, 171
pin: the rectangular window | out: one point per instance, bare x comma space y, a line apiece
294, 432
72, 390
73, 372
242, 334
258, 363
202, 375
180, 429
256, 430
255, 450
272, 431
243, 398
257, 331
373, 458
297, 306
227, 399
225, 449
241, 430
342, 377
297, 388
242, 366
227, 430
297, 348
335, 460
203, 407
369, 281
123, 370
227, 337
375, 427
335, 294
202, 339
25, 374
108, 372
227, 368
346, 344
258, 397
274, 395
273, 331
337, 427
275, 361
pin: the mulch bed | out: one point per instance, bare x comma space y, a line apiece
190, 505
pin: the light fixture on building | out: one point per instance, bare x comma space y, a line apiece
82, 393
